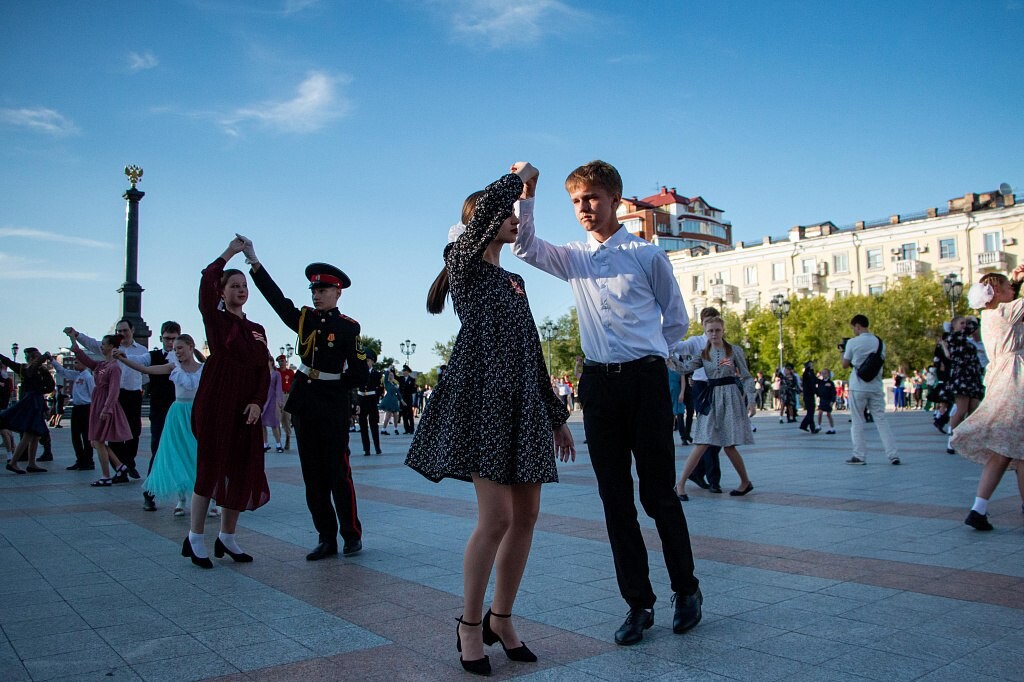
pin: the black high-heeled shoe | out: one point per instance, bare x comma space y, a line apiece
219, 550
186, 550
521, 653
479, 666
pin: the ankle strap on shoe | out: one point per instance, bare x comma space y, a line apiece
501, 615
467, 623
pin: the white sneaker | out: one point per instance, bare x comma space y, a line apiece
214, 511
178, 511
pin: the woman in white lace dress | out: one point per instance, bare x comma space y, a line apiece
993, 435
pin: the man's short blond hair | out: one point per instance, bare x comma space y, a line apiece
595, 174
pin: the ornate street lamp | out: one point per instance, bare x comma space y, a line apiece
14, 352
287, 351
547, 331
780, 308
953, 289
407, 348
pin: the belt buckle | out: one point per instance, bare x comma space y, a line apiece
614, 368
314, 373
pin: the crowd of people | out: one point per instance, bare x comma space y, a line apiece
501, 426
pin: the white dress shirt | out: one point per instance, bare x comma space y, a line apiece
694, 346
131, 379
83, 386
627, 299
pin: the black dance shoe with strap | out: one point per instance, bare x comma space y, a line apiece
521, 653
219, 550
478, 666
186, 550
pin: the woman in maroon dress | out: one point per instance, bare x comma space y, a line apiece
226, 412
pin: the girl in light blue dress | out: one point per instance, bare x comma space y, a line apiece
174, 467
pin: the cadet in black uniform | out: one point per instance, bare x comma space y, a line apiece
369, 395
407, 389
332, 365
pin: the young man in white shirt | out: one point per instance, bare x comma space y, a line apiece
81, 402
866, 394
631, 317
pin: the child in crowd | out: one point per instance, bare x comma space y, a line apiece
826, 399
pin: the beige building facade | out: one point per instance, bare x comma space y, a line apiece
973, 234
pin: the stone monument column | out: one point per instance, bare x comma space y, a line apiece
131, 292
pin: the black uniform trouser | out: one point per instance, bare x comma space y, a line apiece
369, 422
710, 465
408, 423
627, 417
157, 419
131, 403
808, 422
80, 435
321, 435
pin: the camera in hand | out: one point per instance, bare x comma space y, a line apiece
842, 344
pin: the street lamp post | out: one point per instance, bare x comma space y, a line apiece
953, 289
407, 348
780, 308
287, 351
14, 352
547, 330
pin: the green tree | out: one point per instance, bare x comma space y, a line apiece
444, 350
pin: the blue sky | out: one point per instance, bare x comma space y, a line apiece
351, 132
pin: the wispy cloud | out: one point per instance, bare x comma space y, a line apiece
499, 23
19, 267
39, 119
296, 6
41, 235
141, 62
317, 102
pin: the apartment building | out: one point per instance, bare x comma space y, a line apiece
973, 234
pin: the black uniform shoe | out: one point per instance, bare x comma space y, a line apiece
148, 503
74, 467
699, 481
322, 551
134, 473
351, 548
45, 457
632, 631
688, 611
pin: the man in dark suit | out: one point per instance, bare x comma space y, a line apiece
407, 389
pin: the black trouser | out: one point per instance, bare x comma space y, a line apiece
321, 435
46, 442
710, 465
157, 419
808, 422
369, 422
80, 435
628, 416
131, 403
408, 424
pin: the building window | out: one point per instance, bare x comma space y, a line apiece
874, 259
750, 274
778, 272
698, 282
908, 251
750, 304
947, 249
840, 263
993, 241
842, 293
876, 289
808, 265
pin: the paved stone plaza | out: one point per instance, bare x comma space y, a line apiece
825, 572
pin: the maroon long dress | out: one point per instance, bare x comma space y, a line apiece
229, 458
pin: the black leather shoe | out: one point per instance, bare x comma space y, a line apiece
699, 481
134, 473
322, 551
186, 551
219, 550
520, 653
148, 502
632, 631
351, 548
45, 457
978, 521
688, 611
715, 488
73, 467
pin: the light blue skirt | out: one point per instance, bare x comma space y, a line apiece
174, 468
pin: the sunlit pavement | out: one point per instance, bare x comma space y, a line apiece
824, 572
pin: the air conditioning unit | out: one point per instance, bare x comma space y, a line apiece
1012, 241
922, 248
894, 251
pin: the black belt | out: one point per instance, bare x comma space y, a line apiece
591, 367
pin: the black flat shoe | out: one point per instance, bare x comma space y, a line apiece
11, 467
219, 550
186, 550
521, 653
740, 493
716, 489
352, 548
322, 551
632, 631
35, 470
688, 611
978, 521
478, 666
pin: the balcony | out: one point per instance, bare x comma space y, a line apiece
993, 260
806, 281
910, 268
725, 292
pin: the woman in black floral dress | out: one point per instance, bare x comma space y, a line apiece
965, 374
492, 417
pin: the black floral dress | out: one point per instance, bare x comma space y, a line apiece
965, 372
493, 411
